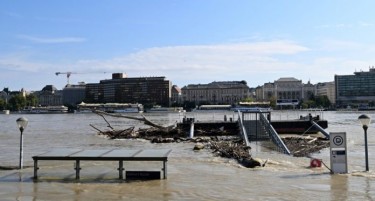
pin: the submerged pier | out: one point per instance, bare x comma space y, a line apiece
120, 155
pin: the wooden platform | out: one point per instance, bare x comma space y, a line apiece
119, 155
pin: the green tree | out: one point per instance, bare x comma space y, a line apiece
31, 100
322, 101
248, 100
189, 105
2, 104
273, 102
308, 104
17, 102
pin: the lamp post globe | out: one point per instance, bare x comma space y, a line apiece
365, 121
22, 124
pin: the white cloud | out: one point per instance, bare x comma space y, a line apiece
257, 63
335, 26
52, 40
341, 45
345, 25
24, 62
201, 56
365, 24
12, 14
189, 64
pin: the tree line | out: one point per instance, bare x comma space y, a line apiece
18, 102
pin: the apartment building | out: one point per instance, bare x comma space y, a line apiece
123, 89
355, 90
327, 89
226, 92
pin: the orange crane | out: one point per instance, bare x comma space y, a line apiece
67, 74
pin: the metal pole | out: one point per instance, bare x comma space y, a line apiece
36, 168
165, 169
121, 169
192, 129
366, 150
78, 168
21, 151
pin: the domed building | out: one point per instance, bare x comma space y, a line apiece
49, 96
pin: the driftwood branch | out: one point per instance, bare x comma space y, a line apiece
144, 119
96, 129
108, 124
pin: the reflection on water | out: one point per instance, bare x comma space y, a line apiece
191, 175
339, 187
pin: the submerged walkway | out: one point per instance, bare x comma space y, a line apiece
119, 155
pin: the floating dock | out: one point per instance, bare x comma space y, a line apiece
297, 126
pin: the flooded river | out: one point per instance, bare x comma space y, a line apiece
191, 175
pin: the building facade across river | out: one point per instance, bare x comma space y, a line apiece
229, 92
356, 90
121, 89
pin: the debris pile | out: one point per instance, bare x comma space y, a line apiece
222, 144
237, 150
304, 146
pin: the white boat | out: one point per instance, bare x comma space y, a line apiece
45, 110
82, 110
110, 107
251, 109
127, 110
166, 109
213, 108
6, 112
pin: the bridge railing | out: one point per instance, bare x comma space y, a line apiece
273, 134
242, 129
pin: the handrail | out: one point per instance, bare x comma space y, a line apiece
273, 134
242, 129
320, 129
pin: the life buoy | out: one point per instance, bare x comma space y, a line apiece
315, 163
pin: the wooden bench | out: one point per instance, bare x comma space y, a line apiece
119, 155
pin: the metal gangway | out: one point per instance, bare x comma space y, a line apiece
255, 126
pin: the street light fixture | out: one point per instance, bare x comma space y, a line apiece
365, 121
22, 124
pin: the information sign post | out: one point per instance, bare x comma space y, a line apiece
338, 150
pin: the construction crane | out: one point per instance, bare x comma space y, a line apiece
67, 74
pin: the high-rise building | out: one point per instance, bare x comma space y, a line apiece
123, 89
355, 90
94, 93
74, 94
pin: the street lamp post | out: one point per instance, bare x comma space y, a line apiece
22, 123
365, 121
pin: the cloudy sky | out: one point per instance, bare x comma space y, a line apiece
188, 42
